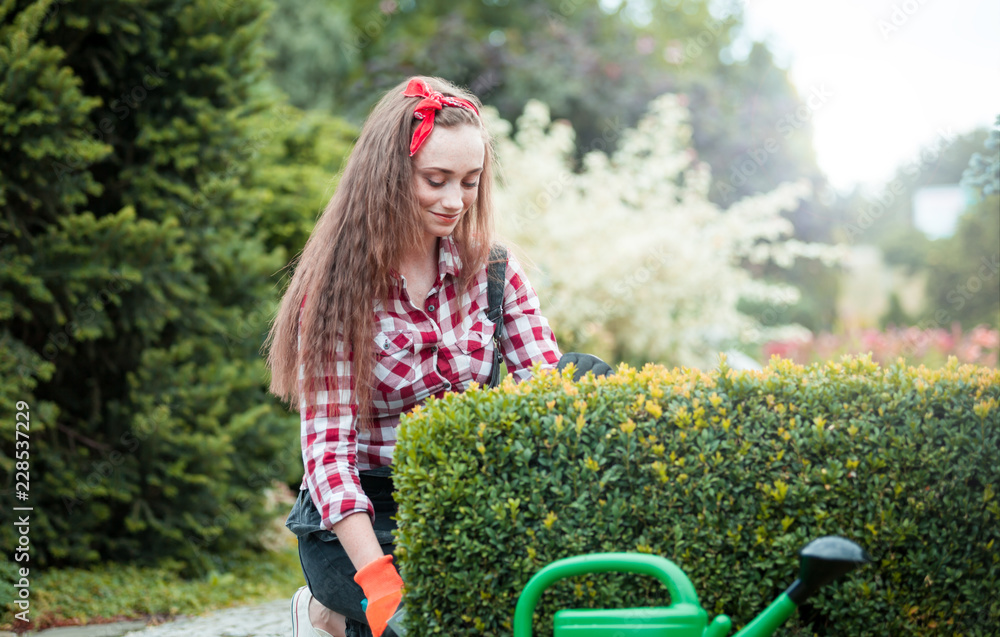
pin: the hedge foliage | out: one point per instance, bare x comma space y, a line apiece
728, 474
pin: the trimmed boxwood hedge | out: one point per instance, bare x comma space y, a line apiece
726, 473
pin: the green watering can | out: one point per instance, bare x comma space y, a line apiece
822, 561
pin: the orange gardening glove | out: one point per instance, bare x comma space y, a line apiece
383, 588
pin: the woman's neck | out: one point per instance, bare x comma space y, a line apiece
421, 259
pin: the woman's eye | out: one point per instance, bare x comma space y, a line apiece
439, 184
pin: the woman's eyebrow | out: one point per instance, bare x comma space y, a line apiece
451, 172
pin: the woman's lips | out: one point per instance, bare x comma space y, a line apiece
445, 217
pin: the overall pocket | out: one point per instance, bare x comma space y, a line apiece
304, 519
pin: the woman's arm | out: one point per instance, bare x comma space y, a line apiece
358, 539
329, 453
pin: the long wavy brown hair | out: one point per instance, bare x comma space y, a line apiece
345, 266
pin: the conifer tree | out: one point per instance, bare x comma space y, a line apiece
153, 183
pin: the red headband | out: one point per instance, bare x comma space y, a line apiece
425, 110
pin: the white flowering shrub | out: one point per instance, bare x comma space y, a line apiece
633, 261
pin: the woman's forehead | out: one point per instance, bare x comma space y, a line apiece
455, 149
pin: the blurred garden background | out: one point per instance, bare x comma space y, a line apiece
161, 162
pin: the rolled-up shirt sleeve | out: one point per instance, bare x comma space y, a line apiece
527, 339
330, 442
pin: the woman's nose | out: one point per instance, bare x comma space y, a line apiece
452, 199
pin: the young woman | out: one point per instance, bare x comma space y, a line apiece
386, 307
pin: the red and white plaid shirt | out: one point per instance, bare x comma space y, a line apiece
423, 349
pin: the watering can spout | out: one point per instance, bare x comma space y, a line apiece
823, 561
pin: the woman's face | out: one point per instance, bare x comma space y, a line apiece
446, 173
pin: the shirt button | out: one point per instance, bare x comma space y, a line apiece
434, 349
430, 308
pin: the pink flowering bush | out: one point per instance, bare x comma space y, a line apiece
929, 347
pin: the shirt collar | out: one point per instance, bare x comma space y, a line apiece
449, 262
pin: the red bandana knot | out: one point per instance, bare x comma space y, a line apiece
431, 103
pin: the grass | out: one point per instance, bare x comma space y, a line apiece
116, 592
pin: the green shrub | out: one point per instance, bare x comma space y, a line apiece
726, 473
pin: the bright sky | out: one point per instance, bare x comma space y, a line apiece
899, 73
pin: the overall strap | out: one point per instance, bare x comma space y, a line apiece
496, 280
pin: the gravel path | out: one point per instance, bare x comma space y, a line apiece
272, 619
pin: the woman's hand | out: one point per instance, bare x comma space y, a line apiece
583, 363
376, 575
383, 590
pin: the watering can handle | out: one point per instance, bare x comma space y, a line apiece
680, 587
